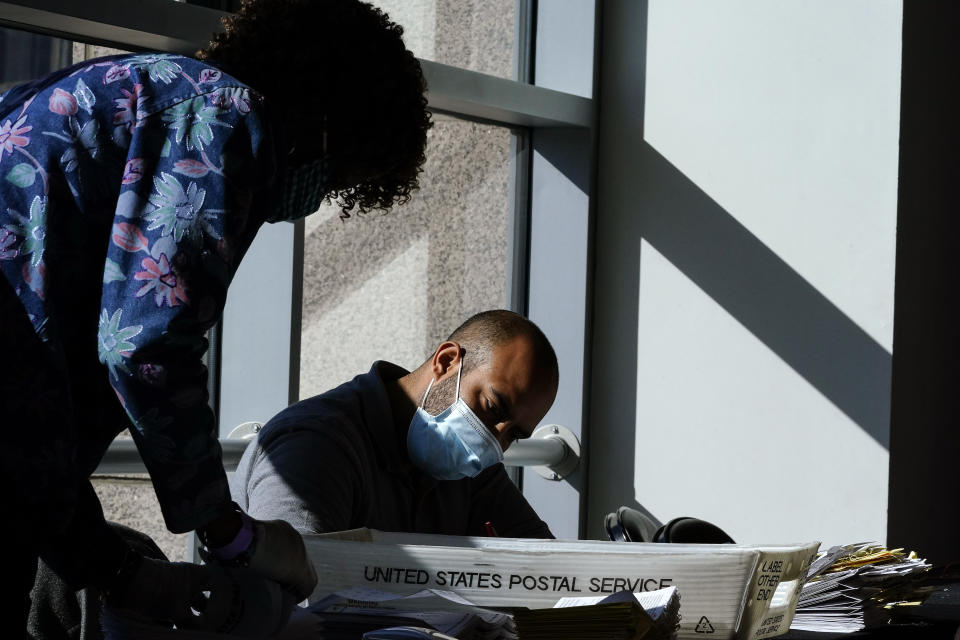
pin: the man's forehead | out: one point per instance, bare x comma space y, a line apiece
515, 373
514, 362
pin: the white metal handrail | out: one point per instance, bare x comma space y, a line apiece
549, 449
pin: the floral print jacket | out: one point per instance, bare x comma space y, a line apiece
130, 187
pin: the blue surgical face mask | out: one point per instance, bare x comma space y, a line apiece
453, 444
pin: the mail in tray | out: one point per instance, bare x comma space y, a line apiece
727, 591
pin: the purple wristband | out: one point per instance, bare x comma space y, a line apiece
240, 543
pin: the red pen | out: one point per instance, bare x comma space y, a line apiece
491, 532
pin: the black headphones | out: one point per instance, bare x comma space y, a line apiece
630, 525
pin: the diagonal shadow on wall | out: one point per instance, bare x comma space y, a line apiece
768, 297
753, 284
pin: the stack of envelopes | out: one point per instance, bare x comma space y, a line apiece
846, 583
349, 613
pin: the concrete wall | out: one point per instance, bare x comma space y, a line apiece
471, 34
393, 286
745, 262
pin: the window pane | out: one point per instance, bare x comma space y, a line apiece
393, 286
471, 34
25, 56
83, 51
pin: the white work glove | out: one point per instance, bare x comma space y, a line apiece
272, 549
279, 554
204, 597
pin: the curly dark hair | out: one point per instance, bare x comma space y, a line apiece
340, 67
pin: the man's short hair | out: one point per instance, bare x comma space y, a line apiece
488, 329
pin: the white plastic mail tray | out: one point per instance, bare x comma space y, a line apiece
726, 591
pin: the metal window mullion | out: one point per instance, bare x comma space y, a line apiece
296, 309
561, 213
518, 224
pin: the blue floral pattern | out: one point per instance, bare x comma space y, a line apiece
113, 342
32, 231
130, 187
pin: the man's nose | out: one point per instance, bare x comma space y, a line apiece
501, 432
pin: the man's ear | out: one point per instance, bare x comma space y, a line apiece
446, 359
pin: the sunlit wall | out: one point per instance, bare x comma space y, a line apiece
745, 264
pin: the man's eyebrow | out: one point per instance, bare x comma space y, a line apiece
504, 406
502, 402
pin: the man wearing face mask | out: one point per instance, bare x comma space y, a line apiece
416, 451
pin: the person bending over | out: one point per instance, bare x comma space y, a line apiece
134, 184
416, 452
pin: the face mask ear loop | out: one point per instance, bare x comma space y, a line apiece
424, 399
459, 371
